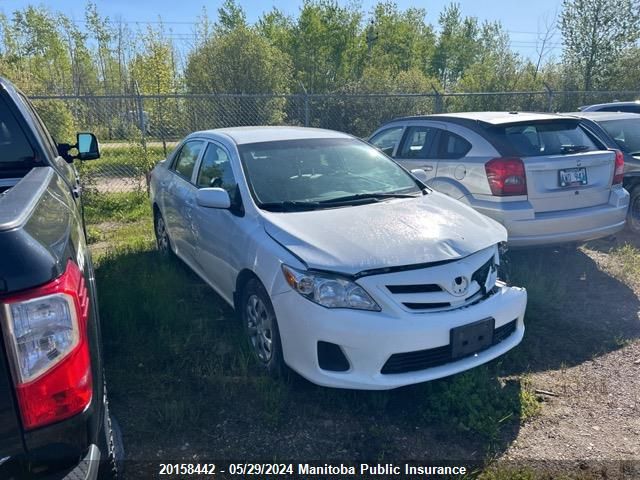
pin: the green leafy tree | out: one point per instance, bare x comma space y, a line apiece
595, 34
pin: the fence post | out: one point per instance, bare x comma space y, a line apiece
438, 102
141, 122
306, 109
305, 97
549, 96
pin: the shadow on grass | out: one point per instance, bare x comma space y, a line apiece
177, 364
575, 311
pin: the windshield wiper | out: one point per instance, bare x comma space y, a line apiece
368, 196
289, 206
574, 148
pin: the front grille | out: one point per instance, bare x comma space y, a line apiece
436, 296
434, 357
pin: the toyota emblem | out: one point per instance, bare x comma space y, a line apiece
459, 286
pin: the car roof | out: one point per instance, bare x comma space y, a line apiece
493, 118
257, 134
596, 106
605, 116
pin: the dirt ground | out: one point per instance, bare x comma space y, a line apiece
591, 410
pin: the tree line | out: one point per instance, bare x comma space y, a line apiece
328, 47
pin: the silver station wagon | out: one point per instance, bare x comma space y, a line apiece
543, 176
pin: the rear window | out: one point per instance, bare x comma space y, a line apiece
15, 149
545, 138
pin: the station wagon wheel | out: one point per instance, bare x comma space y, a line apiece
261, 327
162, 237
633, 217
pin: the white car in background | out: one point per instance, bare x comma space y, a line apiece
545, 177
340, 263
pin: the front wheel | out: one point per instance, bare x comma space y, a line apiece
261, 327
633, 216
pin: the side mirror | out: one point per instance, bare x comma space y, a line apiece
213, 198
87, 145
420, 174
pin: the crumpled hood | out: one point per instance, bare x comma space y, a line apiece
392, 233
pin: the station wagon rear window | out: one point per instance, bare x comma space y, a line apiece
544, 138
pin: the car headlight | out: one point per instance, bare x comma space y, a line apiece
331, 291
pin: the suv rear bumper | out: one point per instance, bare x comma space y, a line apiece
88, 467
528, 229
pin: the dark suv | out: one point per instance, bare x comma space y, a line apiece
54, 415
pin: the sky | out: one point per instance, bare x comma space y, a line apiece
525, 20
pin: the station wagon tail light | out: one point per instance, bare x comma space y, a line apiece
618, 174
506, 176
45, 331
330, 291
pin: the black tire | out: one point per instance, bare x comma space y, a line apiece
163, 242
261, 328
111, 448
633, 216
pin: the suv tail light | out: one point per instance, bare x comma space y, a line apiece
506, 176
618, 174
45, 331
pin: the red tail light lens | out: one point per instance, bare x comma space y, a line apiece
46, 335
506, 176
618, 174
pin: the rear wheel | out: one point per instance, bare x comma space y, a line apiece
261, 327
162, 237
633, 216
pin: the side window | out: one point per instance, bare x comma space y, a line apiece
15, 149
186, 159
215, 169
387, 139
417, 142
452, 146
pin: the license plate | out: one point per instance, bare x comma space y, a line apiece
571, 177
469, 339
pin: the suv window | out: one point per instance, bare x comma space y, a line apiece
387, 139
215, 169
452, 146
186, 159
15, 150
545, 138
417, 142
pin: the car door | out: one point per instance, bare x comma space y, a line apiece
219, 241
417, 149
179, 199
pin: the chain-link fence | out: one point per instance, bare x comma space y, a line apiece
136, 131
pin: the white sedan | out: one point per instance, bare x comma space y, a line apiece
341, 264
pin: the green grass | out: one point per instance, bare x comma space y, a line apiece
122, 160
120, 207
629, 258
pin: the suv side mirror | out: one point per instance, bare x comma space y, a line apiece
213, 198
87, 145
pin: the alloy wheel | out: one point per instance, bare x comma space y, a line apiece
162, 238
260, 328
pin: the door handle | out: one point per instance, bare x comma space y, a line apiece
427, 168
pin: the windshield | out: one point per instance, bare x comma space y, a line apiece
322, 173
626, 133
